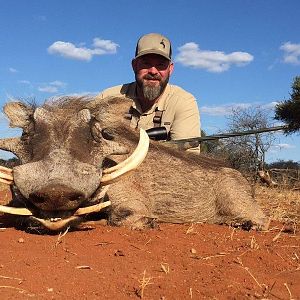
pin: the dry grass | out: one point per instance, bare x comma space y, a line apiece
60, 237
144, 282
253, 244
280, 204
21, 291
165, 268
266, 290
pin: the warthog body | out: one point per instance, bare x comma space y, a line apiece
67, 144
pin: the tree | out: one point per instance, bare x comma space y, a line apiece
211, 147
10, 163
289, 111
284, 164
247, 153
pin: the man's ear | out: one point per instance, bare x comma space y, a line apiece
171, 67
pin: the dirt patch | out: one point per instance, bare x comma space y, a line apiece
197, 261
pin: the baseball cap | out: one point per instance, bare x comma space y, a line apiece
154, 43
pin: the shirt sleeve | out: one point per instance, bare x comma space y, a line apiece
186, 123
108, 92
102, 95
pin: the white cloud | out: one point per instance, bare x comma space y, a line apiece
84, 94
48, 89
291, 53
223, 110
226, 109
191, 55
69, 50
24, 81
108, 46
58, 83
2, 117
284, 146
270, 105
52, 87
281, 147
12, 70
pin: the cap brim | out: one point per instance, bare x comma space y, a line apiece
154, 51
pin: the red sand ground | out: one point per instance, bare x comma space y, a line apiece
197, 261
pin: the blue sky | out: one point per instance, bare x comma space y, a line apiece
227, 53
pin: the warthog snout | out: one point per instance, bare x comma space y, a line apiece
56, 197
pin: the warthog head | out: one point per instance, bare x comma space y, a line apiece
63, 151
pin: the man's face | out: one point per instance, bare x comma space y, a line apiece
152, 73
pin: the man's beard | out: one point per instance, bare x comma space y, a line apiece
152, 92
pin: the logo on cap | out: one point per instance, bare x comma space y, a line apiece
163, 43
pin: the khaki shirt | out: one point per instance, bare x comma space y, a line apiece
180, 111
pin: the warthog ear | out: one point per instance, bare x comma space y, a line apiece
18, 113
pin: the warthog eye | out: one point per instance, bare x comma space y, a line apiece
98, 132
107, 134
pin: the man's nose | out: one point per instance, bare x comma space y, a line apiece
153, 70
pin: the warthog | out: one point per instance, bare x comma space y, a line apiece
69, 168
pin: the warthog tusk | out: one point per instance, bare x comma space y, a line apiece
129, 164
80, 211
55, 225
91, 209
58, 224
6, 175
15, 211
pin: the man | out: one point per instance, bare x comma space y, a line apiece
156, 103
